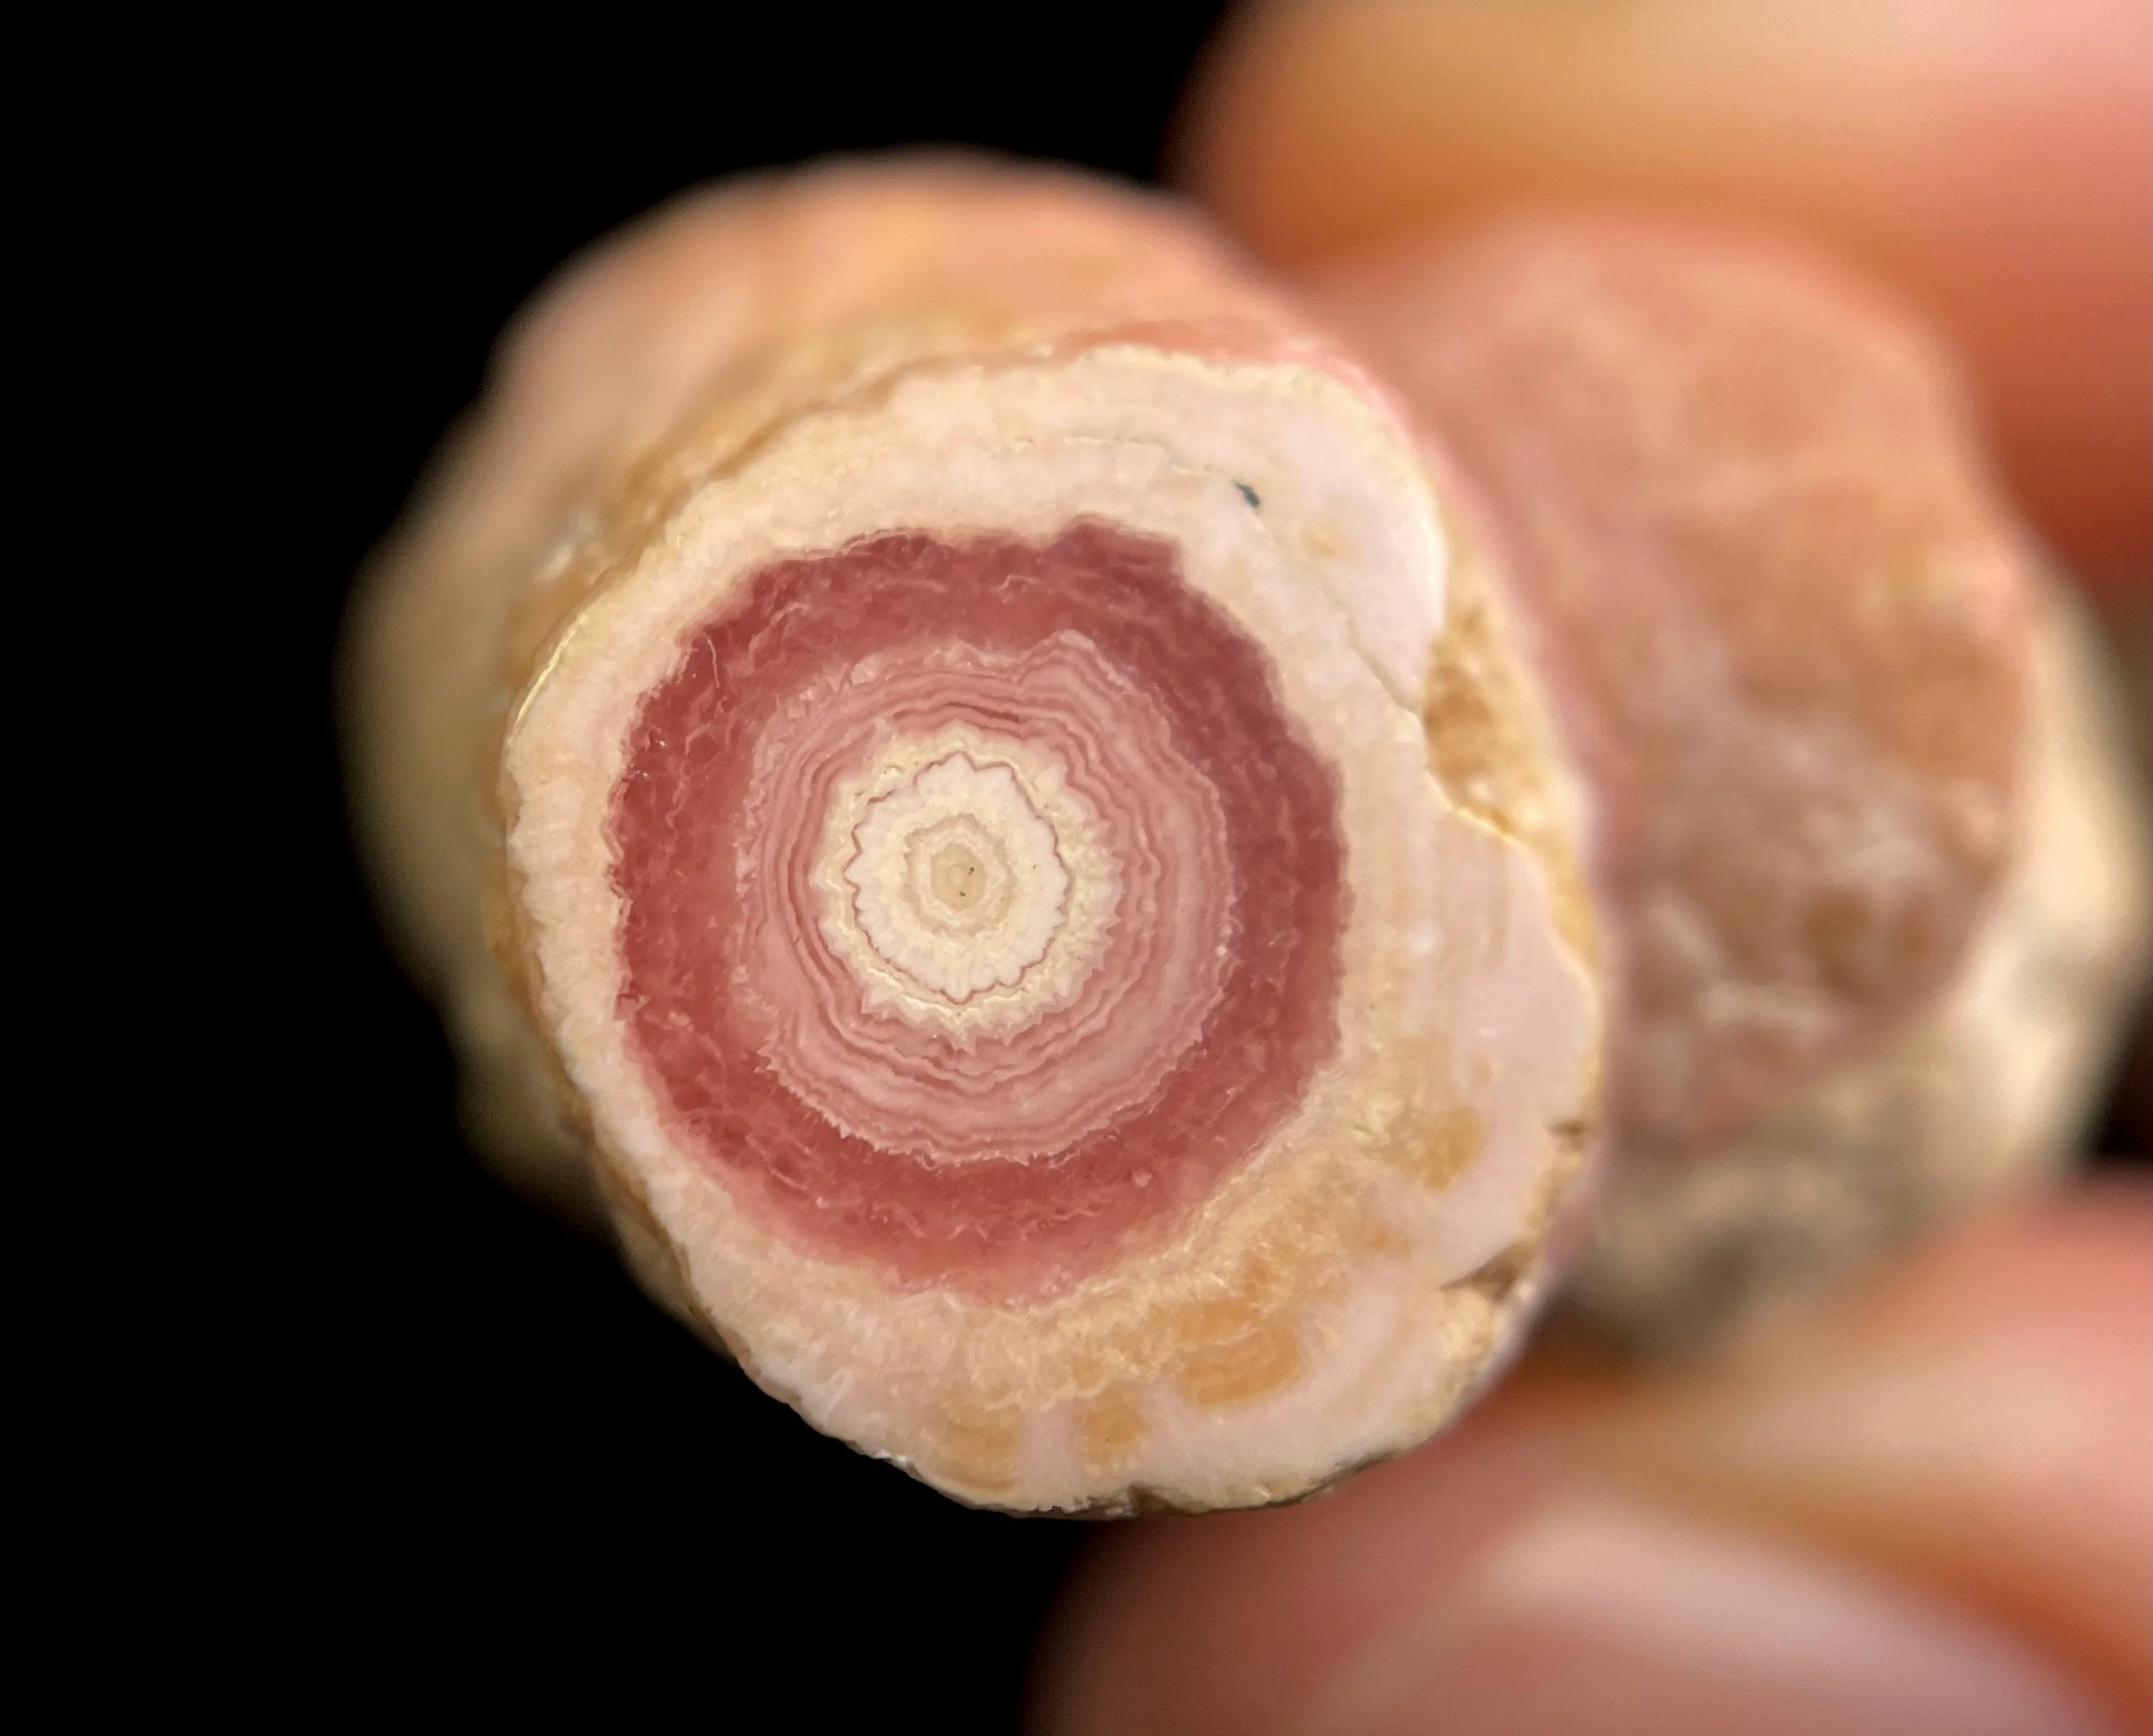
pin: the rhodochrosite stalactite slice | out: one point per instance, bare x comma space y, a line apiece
982, 907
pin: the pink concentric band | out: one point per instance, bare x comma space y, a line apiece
982, 907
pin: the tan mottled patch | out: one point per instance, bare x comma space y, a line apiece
1452, 1140
1326, 540
1214, 1320
1109, 1430
1223, 1316
1491, 747
1371, 1235
977, 1450
1250, 1367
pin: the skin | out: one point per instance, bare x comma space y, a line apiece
1933, 1494
1992, 159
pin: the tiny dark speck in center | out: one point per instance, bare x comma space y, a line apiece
1254, 500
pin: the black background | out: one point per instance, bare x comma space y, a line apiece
477, 1452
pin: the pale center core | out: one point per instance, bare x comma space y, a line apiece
970, 886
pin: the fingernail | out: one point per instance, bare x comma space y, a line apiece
1603, 1617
